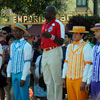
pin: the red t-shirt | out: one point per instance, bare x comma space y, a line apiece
56, 28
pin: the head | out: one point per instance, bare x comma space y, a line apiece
50, 12
68, 38
9, 39
97, 34
77, 36
5, 31
30, 39
18, 33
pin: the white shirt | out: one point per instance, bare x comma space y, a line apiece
37, 66
87, 52
27, 55
1, 52
89, 77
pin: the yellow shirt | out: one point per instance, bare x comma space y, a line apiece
78, 59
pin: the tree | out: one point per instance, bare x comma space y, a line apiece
28, 7
87, 21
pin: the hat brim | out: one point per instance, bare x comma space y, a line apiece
95, 28
15, 26
78, 32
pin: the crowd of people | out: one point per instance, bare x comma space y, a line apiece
61, 63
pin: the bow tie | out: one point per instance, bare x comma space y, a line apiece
98, 43
75, 42
17, 41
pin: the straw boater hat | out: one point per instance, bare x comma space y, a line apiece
79, 29
96, 27
20, 26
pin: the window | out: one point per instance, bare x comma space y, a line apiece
81, 3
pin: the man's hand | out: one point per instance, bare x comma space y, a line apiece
46, 35
22, 83
82, 86
59, 41
63, 83
87, 88
8, 80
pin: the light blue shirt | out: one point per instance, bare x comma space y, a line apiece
20, 57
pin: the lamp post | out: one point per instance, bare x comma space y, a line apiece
95, 7
99, 7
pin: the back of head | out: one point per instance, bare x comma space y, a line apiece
10, 36
7, 29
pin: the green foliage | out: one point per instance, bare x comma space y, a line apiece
28, 7
87, 21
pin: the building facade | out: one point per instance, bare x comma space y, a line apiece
72, 7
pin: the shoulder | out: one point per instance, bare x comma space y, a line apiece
57, 22
68, 47
27, 45
43, 24
0, 45
12, 44
87, 47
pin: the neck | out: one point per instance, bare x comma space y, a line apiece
18, 38
78, 40
49, 20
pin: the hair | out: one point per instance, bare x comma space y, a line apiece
53, 9
7, 29
69, 35
10, 36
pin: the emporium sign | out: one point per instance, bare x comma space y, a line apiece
34, 19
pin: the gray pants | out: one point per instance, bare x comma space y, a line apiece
51, 63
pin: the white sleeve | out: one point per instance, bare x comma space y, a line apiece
38, 60
89, 77
62, 28
27, 60
1, 54
9, 64
87, 51
65, 66
9, 69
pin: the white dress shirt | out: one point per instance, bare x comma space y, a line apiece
37, 66
87, 52
90, 72
27, 55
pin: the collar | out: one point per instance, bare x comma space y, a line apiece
21, 39
78, 42
81, 40
18, 41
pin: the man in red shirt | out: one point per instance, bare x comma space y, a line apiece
52, 37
